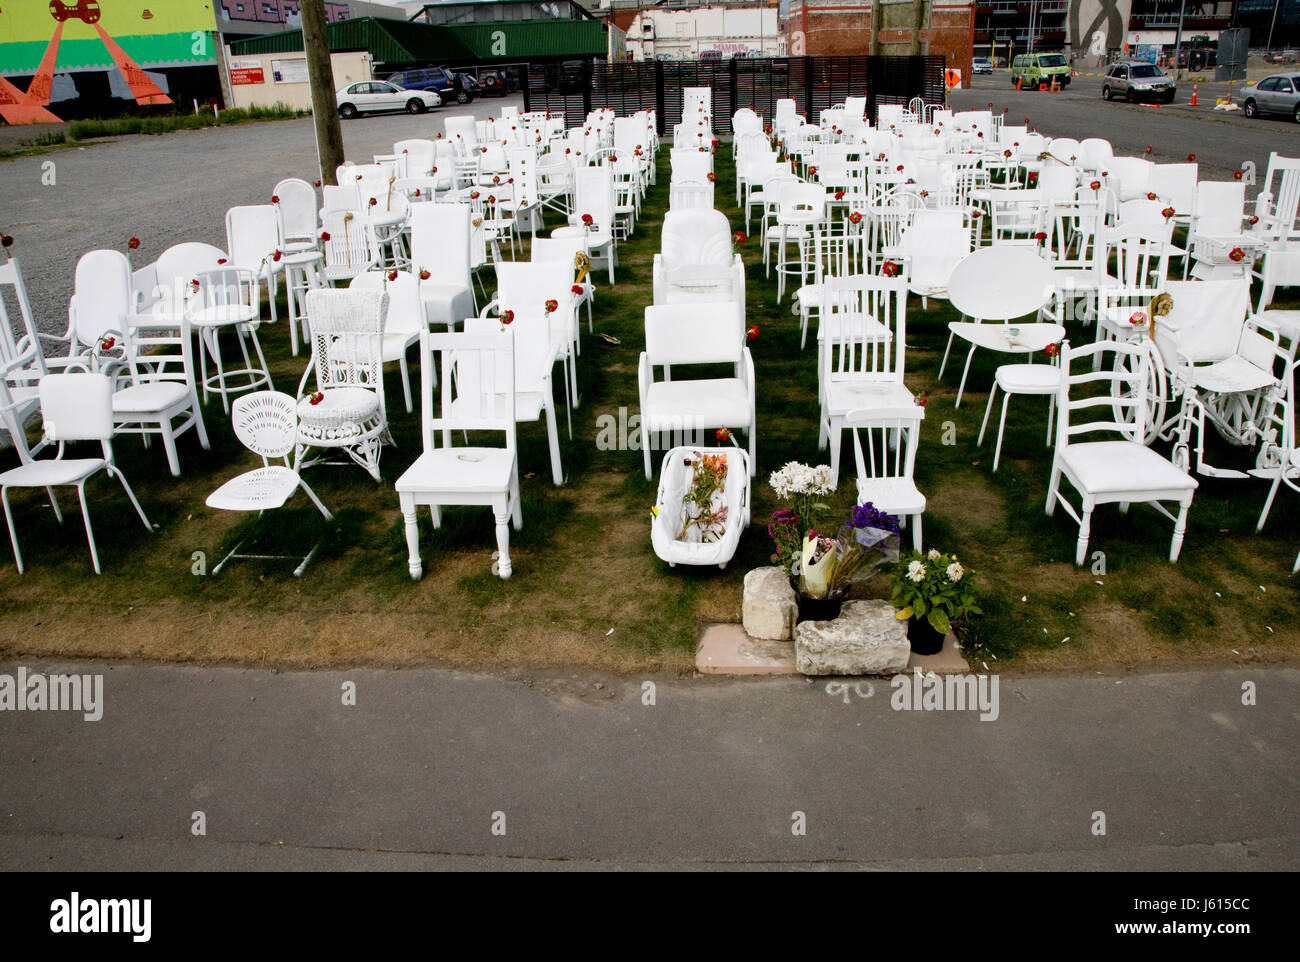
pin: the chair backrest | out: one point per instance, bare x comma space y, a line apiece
252, 234
1057, 184
1283, 185
462, 127
694, 334
559, 249
20, 357
77, 407
935, 245
1175, 186
892, 437
695, 236
1067, 150
405, 314
802, 203
688, 194
594, 187
525, 286
478, 374
299, 210
688, 163
174, 269
347, 329
523, 168
1097, 152
266, 422
349, 242
1141, 212
1206, 321
1141, 256
103, 295
1001, 283
440, 242
866, 320
1116, 389
1220, 206
419, 154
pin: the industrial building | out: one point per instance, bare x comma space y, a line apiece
706, 32
886, 27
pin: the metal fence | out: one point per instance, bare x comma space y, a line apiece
815, 83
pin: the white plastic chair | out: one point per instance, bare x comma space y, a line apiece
402, 322
347, 412
696, 262
74, 407
299, 209
440, 244
689, 334
478, 394
266, 424
252, 239
1122, 470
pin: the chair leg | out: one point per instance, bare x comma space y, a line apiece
645, 449
993, 393
1085, 529
1180, 529
406, 382
1052, 486
13, 535
965, 371
412, 537
916, 532
553, 439
169, 445
54, 503
1002, 424
502, 566
944, 363
835, 436
90, 534
1268, 502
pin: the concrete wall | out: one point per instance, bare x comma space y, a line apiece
348, 68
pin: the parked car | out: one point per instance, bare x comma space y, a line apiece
1278, 94
374, 96
1039, 68
494, 82
448, 85
981, 65
1136, 80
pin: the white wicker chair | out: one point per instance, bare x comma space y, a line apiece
347, 411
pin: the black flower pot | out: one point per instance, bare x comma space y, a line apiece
817, 609
923, 638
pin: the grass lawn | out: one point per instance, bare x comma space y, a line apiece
587, 590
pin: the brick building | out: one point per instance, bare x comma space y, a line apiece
888, 27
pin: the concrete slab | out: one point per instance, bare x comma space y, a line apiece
948, 660
727, 650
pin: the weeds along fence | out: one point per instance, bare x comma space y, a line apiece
815, 83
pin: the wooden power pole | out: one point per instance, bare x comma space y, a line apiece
324, 105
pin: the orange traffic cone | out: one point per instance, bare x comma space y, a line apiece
1019, 82
1193, 100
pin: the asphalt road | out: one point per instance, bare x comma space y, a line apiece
710, 775
1221, 141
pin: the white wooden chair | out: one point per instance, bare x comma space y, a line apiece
440, 244
886, 464
74, 407
478, 394
687, 334
1122, 470
266, 423
22, 362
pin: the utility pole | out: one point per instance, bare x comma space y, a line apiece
1178, 42
320, 75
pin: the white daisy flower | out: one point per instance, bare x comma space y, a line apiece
932, 555
916, 571
955, 571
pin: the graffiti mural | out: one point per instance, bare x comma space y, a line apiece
120, 36
1096, 26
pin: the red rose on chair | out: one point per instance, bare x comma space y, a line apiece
1236, 255
552, 306
1253, 220
194, 285
712, 176
276, 256
1006, 154
496, 178
723, 434
220, 261
1052, 350
890, 269
715, 142
1191, 158
507, 317
577, 290
1151, 195
1138, 318
1150, 149
752, 333
1236, 175
275, 198
325, 236
1167, 213
374, 202
317, 184
316, 398
1095, 185
588, 220
738, 237
979, 134
492, 198
131, 245
1040, 236
920, 399
812, 171
106, 343
392, 275
424, 274
855, 217
839, 195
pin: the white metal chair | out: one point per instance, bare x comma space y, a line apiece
886, 464
266, 423
478, 394
74, 407
227, 298
346, 412
1122, 470
689, 334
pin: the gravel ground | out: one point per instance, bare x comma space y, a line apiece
168, 189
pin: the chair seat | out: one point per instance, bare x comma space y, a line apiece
712, 402
396, 344
1122, 467
1029, 378
486, 470
528, 406
150, 396
301, 258
849, 394
891, 495
262, 490
446, 303
1231, 374
220, 314
339, 405
54, 471
595, 237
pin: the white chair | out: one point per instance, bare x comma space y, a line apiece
696, 262
103, 297
266, 423
1278, 211
22, 362
1283, 463
252, 239
478, 394
349, 244
933, 246
299, 209
74, 407
346, 412
688, 334
594, 199
1217, 230
862, 348
886, 464
226, 298
440, 244
402, 322
1029, 379
1122, 470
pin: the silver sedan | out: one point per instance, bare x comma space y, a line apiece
1278, 94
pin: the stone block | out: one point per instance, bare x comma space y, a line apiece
769, 609
866, 639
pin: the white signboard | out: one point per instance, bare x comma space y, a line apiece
289, 71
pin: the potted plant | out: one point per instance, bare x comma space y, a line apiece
932, 591
821, 566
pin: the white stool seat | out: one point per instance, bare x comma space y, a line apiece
898, 496
1029, 378
338, 406
259, 490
